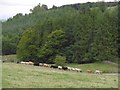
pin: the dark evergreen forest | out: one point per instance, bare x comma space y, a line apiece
83, 33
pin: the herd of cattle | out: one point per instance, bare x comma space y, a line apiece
60, 67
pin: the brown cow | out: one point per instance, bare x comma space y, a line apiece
89, 71
45, 65
30, 63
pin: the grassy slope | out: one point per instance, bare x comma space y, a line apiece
93, 66
10, 58
106, 68
17, 75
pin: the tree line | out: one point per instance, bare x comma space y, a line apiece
82, 33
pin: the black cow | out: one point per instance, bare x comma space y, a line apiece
18, 62
52, 66
64, 68
36, 64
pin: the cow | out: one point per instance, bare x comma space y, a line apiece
40, 64
52, 66
98, 72
64, 68
22, 62
36, 64
27, 63
45, 65
78, 70
73, 69
89, 71
69, 68
30, 63
60, 67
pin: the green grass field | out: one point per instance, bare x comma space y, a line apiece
106, 68
9, 58
27, 76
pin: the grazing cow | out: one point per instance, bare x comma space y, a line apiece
98, 72
45, 65
73, 69
17, 62
30, 63
60, 67
89, 71
69, 68
36, 64
52, 66
78, 70
22, 62
40, 64
27, 63
64, 68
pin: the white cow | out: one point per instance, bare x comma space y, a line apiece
40, 64
22, 62
69, 68
27, 63
78, 70
73, 69
59, 67
98, 71
31, 63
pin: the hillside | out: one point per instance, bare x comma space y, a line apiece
105, 67
90, 33
27, 76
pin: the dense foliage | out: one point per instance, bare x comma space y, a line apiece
54, 44
27, 47
80, 32
60, 60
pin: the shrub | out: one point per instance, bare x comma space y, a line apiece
60, 60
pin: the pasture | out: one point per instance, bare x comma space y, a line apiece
9, 58
24, 76
106, 68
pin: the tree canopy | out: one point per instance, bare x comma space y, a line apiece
82, 33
